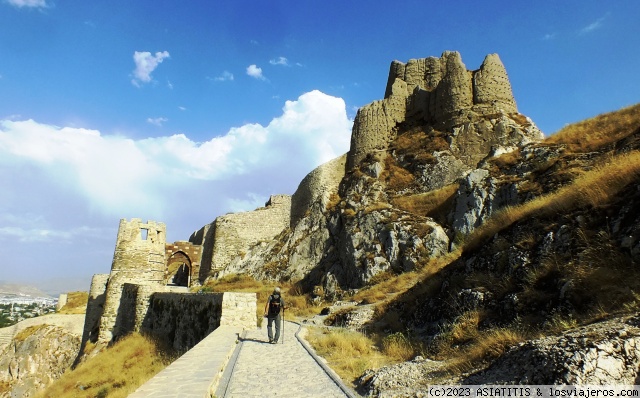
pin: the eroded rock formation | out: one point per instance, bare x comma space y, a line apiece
37, 357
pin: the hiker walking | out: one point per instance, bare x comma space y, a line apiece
273, 310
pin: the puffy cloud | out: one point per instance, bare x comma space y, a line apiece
119, 175
279, 61
28, 3
255, 72
64, 188
145, 64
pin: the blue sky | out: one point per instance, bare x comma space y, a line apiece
182, 111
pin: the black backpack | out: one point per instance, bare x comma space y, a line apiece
274, 305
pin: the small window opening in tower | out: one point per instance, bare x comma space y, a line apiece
144, 233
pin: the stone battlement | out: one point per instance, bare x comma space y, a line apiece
442, 93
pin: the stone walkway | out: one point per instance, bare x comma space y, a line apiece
277, 370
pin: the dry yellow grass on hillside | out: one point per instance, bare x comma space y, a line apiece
593, 188
594, 133
348, 353
115, 372
424, 204
76, 303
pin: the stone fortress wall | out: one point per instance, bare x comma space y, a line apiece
318, 185
436, 91
234, 233
135, 296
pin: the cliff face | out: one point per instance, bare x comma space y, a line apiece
37, 357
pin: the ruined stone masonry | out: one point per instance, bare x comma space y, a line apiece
233, 235
139, 290
477, 105
235, 232
318, 185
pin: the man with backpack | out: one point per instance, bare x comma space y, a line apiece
275, 306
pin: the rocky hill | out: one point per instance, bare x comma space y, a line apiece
437, 123
499, 236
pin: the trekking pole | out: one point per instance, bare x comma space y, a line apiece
282, 325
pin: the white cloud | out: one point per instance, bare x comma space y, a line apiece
255, 72
224, 77
145, 64
158, 121
182, 108
46, 235
71, 185
118, 175
279, 61
28, 3
594, 25
549, 36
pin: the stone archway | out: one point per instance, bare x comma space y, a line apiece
178, 269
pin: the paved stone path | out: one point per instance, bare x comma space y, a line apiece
276, 370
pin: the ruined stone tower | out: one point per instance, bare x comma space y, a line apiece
139, 258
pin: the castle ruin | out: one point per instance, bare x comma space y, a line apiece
141, 288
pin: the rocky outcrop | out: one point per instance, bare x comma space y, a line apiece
37, 356
602, 353
479, 196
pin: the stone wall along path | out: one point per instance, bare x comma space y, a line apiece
277, 370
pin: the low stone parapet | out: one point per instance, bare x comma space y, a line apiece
196, 373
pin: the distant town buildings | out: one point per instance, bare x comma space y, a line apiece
17, 307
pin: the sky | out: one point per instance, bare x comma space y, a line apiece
180, 111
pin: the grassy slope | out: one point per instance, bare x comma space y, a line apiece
115, 372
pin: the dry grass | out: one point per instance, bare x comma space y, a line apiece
593, 188
396, 177
76, 303
595, 133
424, 204
507, 160
418, 142
488, 345
115, 372
399, 348
386, 286
378, 206
26, 332
5, 387
349, 353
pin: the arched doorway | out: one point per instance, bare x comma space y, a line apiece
178, 270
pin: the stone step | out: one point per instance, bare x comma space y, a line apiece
6, 335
